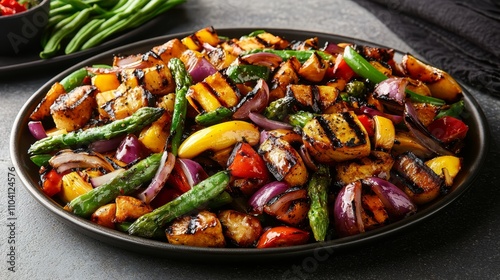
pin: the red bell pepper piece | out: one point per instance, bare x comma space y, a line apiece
282, 236
448, 129
10, 7
367, 123
341, 70
245, 162
52, 182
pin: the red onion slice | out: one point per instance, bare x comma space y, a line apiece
421, 133
67, 160
332, 48
199, 68
161, 176
263, 59
37, 130
97, 181
102, 146
397, 203
373, 112
193, 170
347, 210
130, 149
266, 123
391, 89
254, 101
259, 199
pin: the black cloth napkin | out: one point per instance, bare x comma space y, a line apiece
461, 37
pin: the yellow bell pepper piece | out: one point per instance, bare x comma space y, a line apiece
73, 185
105, 82
384, 133
219, 137
445, 166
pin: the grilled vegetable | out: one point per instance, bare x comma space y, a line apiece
317, 190
43, 108
376, 164
151, 224
282, 236
282, 160
73, 185
122, 102
241, 229
417, 180
313, 98
290, 207
202, 229
139, 119
105, 215
130, 208
284, 76
123, 184
336, 137
73, 110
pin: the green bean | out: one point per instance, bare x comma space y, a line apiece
83, 35
74, 79
79, 5
317, 190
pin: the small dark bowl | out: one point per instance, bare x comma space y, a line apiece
22, 31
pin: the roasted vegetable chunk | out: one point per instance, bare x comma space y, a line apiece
202, 229
376, 164
240, 228
73, 110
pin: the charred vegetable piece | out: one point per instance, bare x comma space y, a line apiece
216, 116
241, 229
135, 122
123, 184
73, 110
375, 164
242, 73
336, 137
105, 215
202, 229
152, 224
43, 108
417, 180
290, 207
130, 208
282, 236
317, 191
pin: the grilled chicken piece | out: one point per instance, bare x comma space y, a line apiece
282, 159
200, 230
42, 110
336, 137
285, 75
105, 215
241, 229
312, 97
172, 48
122, 102
376, 164
213, 92
73, 110
130, 208
416, 179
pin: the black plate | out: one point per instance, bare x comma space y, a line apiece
29, 60
477, 143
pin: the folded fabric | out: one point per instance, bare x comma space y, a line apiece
460, 36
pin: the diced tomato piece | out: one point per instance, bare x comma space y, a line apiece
9, 7
367, 123
448, 129
245, 162
51, 182
282, 236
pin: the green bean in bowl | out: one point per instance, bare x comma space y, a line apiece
254, 142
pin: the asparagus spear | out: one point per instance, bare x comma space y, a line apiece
125, 183
318, 212
153, 223
182, 81
135, 122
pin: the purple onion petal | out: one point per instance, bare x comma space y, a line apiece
161, 176
37, 130
265, 193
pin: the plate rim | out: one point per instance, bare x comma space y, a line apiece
163, 249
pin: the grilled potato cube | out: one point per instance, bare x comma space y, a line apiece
201, 98
105, 215
272, 41
283, 161
241, 229
336, 137
130, 208
202, 229
416, 179
227, 94
73, 110
172, 48
42, 110
313, 97
441, 84
158, 80
220, 58
125, 102
196, 40
285, 75
313, 69
376, 164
